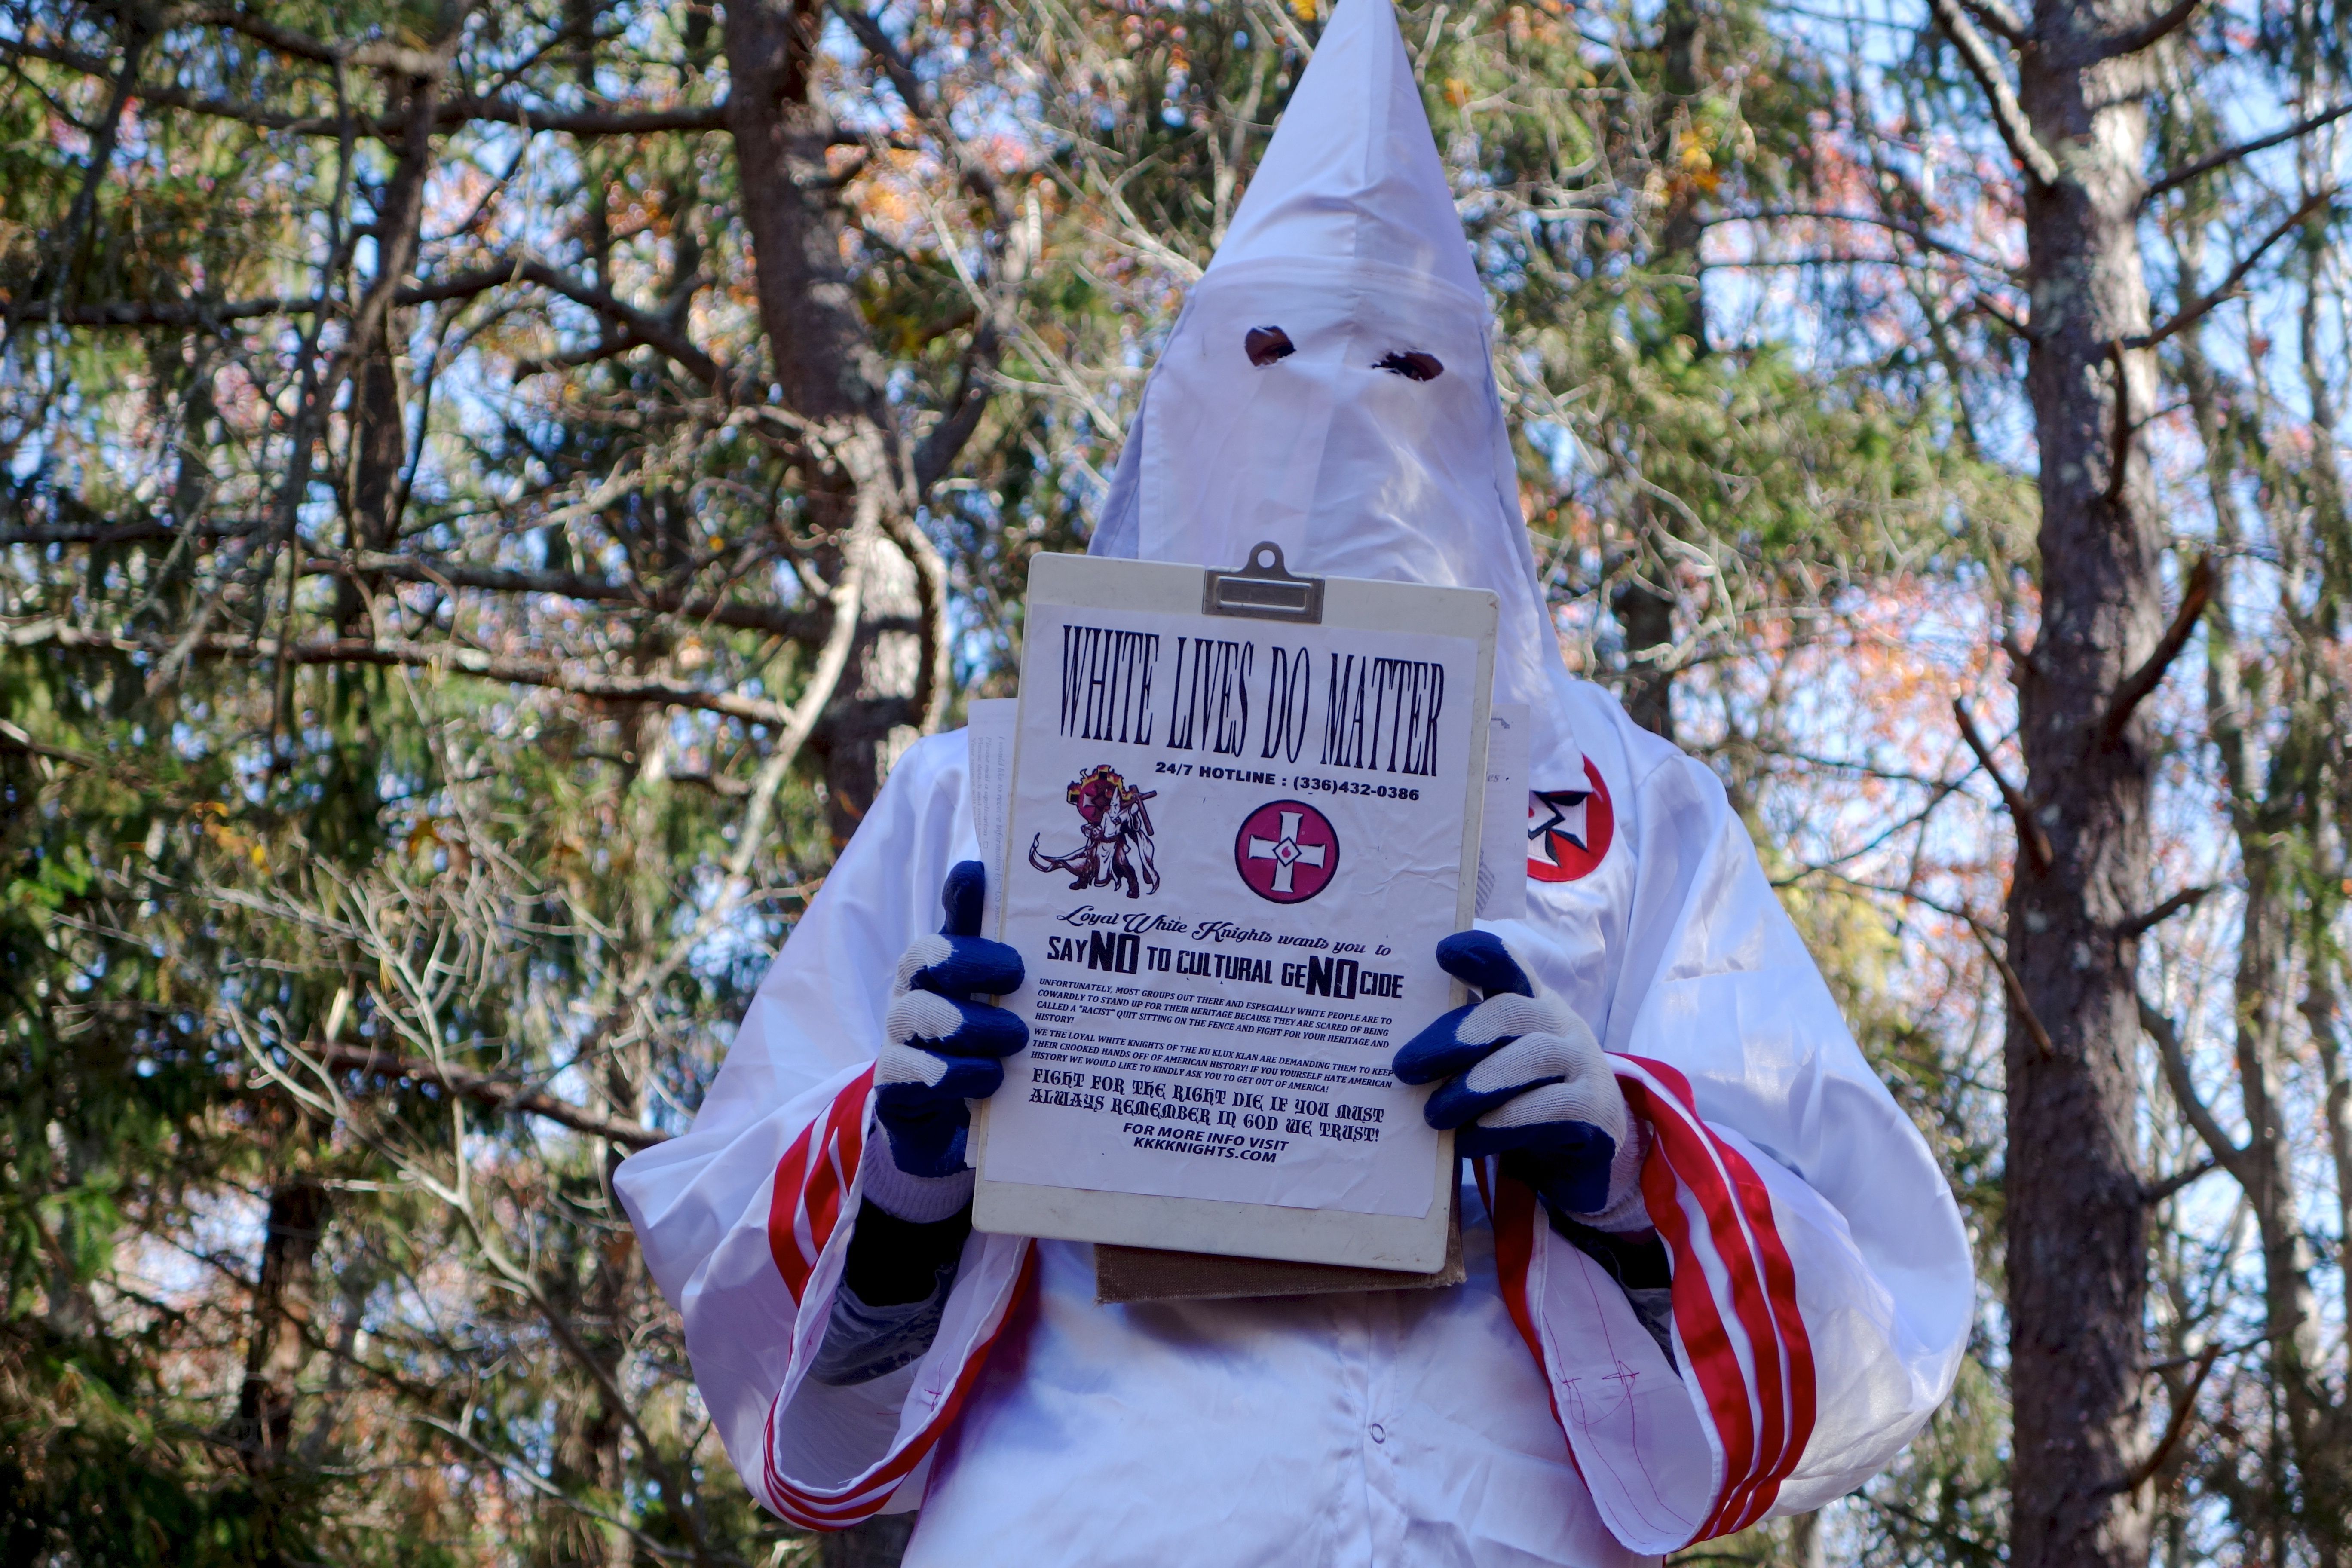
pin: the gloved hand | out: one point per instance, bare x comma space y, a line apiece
942, 1047
1526, 1079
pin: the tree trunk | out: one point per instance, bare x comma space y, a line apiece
879, 1543
1681, 42
2277, 790
379, 457
871, 727
830, 374
2077, 1241
1643, 601
285, 1297
1648, 619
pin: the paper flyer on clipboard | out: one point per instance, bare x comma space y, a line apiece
1230, 846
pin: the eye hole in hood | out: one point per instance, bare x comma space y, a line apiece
1266, 344
1413, 366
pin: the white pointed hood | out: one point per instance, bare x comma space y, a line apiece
1347, 245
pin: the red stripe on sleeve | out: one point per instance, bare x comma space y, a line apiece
1512, 1206
1764, 1429
865, 1498
812, 1179
1741, 1235
1780, 1294
1706, 1341
784, 1210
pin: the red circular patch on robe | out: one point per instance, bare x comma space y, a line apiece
1569, 830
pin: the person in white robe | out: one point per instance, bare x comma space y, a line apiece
1762, 1295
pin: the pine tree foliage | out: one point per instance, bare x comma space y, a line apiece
488, 489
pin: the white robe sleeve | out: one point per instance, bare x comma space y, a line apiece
746, 1219
1823, 1285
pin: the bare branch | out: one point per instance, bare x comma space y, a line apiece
461, 1203
654, 331
124, 533
448, 115
2174, 179
2136, 687
2240, 1348
895, 65
965, 408
2001, 18
12, 738
137, 35
1993, 76
1986, 305
2184, 1092
1910, 231
2022, 656
2030, 835
498, 1094
809, 626
285, 41
525, 1473
166, 96
160, 94
2140, 925
381, 55
418, 655
371, 54
2015, 988
934, 678
824, 682
589, 124
2221, 293
153, 312
2153, 1193
2184, 1405
2151, 32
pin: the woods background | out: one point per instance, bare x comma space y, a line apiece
486, 487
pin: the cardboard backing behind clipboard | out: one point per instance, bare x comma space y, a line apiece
1127, 1274
1254, 1248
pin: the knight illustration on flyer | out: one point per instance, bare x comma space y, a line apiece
1116, 830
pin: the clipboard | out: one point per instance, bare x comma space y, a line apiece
1355, 1250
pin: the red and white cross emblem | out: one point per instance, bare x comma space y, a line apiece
1286, 851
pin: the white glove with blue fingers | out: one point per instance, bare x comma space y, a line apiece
943, 1049
1524, 1078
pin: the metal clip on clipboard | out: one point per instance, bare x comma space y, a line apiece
1264, 590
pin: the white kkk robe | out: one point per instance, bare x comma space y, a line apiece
1822, 1287
1822, 1284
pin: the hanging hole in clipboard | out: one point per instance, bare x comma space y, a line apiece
1265, 589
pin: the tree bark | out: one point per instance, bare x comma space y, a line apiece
869, 731
828, 371
1647, 616
879, 1543
2276, 793
285, 1298
1643, 603
2078, 1242
380, 455
1682, 47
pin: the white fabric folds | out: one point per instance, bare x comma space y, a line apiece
1822, 1290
